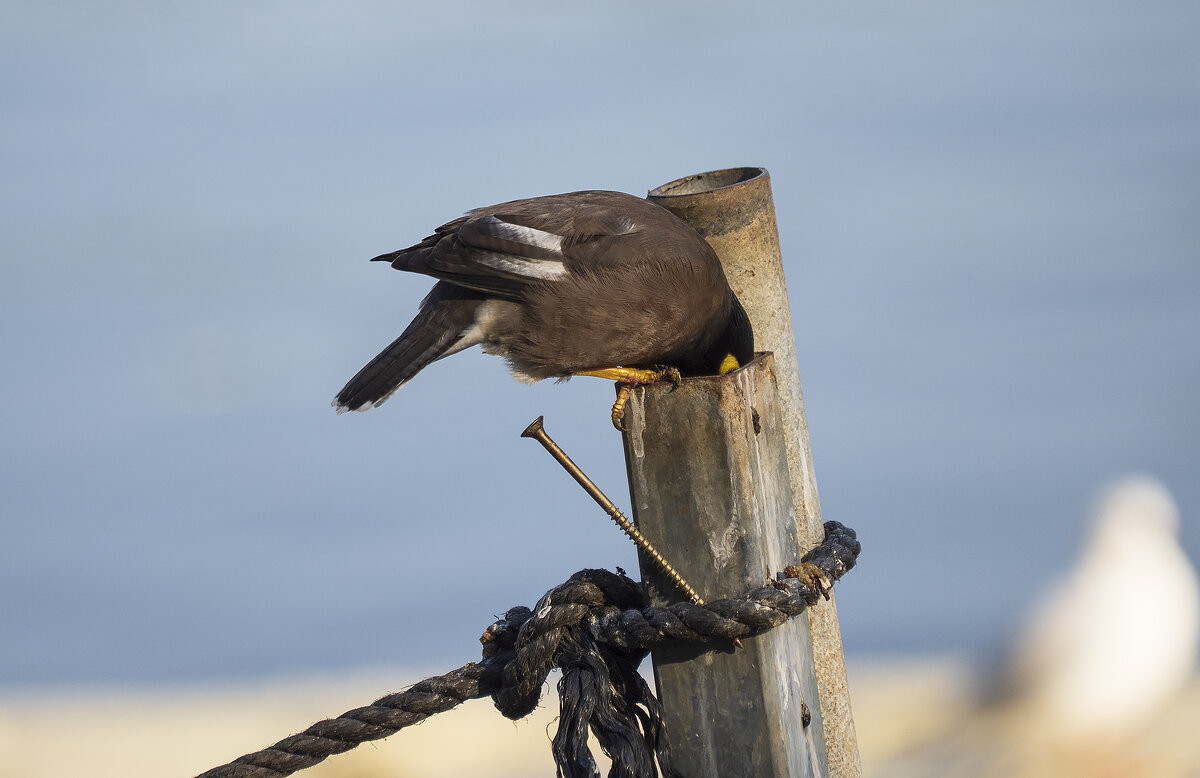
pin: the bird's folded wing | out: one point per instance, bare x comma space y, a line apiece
502, 253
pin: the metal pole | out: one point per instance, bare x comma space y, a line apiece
709, 478
734, 211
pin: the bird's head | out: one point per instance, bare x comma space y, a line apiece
734, 347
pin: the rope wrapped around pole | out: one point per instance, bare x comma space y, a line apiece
597, 627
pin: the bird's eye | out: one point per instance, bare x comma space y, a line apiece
728, 364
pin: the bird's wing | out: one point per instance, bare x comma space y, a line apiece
504, 249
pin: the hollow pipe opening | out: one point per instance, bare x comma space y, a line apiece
707, 182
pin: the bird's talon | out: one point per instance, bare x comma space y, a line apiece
618, 409
672, 374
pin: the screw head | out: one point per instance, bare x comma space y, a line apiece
534, 428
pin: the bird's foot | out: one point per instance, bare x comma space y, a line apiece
618, 409
635, 376
671, 374
629, 377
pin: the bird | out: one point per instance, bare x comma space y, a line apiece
589, 283
1117, 636
1085, 686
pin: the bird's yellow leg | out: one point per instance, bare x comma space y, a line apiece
627, 378
618, 409
634, 376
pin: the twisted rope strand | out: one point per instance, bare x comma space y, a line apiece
594, 613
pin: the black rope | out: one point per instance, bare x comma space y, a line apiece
597, 627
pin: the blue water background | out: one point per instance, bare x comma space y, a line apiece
990, 215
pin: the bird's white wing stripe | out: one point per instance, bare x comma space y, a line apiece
527, 267
530, 236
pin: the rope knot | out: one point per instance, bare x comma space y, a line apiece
597, 626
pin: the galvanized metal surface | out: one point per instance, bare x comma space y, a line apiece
709, 479
734, 211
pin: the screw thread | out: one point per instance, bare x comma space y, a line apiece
537, 431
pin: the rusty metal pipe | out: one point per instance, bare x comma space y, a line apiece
734, 211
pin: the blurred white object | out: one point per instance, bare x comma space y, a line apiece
1118, 636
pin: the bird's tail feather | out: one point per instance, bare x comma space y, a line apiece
435, 332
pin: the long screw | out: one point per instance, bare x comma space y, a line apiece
538, 433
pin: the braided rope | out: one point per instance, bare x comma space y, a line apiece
595, 613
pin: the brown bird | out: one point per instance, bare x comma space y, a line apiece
587, 283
